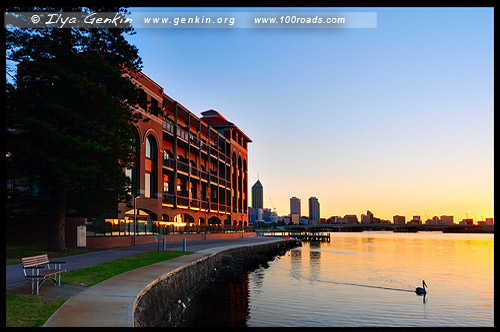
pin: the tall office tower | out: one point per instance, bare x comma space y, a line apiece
314, 210
295, 205
257, 195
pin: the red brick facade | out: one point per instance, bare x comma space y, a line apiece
188, 168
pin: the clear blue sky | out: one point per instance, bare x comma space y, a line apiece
397, 119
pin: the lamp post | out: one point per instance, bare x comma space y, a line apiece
206, 223
135, 216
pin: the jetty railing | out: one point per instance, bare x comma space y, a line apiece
302, 236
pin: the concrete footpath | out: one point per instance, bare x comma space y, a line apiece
111, 302
14, 273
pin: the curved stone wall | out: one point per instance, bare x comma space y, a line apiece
163, 302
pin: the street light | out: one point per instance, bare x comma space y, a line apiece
206, 223
135, 216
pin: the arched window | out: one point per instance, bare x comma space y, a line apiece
167, 154
150, 167
168, 158
150, 147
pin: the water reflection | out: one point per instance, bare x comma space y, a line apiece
296, 264
314, 260
374, 274
221, 305
258, 278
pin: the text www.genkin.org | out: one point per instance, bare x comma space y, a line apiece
198, 20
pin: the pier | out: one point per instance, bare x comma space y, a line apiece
311, 236
302, 236
404, 228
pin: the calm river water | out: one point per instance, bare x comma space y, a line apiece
362, 279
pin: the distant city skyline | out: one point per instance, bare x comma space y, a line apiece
397, 119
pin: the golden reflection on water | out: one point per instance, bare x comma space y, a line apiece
447, 261
365, 279
458, 270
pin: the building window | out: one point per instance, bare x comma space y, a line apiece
147, 185
150, 168
150, 147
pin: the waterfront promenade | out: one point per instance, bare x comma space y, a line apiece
111, 302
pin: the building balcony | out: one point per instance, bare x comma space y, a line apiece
169, 163
168, 198
168, 127
184, 135
182, 199
183, 167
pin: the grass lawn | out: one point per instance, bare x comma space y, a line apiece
15, 251
92, 275
29, 310
33, 310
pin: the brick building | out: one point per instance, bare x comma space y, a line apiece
188, 168
190, 171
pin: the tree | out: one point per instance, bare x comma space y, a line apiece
69, 113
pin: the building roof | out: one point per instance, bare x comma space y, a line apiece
215, 119
257, 184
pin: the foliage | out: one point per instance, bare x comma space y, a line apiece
69, 115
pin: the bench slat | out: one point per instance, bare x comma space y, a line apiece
35, 260
46, 273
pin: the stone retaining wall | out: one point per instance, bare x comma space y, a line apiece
164, 302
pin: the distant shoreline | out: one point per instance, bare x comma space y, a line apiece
403, 228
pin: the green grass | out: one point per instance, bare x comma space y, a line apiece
92, 275
15, 251
34, 310
29, 310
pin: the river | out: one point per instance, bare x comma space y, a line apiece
363, 279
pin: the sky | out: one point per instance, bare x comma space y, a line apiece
396, 119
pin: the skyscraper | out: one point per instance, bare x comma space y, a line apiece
314, 210
295, 206
258, 195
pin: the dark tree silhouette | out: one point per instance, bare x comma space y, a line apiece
69, 113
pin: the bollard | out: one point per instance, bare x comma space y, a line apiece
184, 245
164, 244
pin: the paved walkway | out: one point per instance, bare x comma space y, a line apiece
111, 302
14, 273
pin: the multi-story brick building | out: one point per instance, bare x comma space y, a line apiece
188, 169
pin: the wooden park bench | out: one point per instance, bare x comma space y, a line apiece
37, 269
